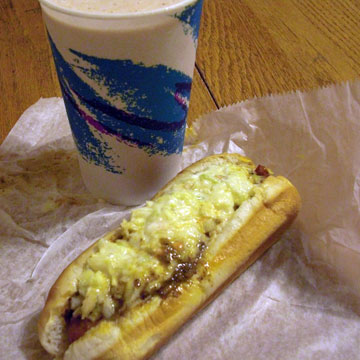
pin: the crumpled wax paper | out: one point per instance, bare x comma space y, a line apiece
301, 300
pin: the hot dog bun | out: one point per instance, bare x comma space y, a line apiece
141, 326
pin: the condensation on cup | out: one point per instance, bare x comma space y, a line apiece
126, 81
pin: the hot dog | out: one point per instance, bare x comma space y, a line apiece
129, 292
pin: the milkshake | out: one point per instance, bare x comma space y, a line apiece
125, 69
115, 6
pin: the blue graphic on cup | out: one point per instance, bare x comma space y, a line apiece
153, 118
190, 17
144, 107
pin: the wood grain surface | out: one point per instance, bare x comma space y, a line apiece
246, 48
257, 47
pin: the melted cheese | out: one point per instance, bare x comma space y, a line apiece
190, 209
117, 271
189, 213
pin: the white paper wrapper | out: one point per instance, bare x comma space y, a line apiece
301, 300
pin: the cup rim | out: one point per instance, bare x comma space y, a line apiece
115, 16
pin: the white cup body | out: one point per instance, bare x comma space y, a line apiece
126, 84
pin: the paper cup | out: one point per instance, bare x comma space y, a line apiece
126, 81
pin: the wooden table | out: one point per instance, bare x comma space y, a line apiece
246, 48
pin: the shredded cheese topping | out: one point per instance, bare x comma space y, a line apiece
160, 238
